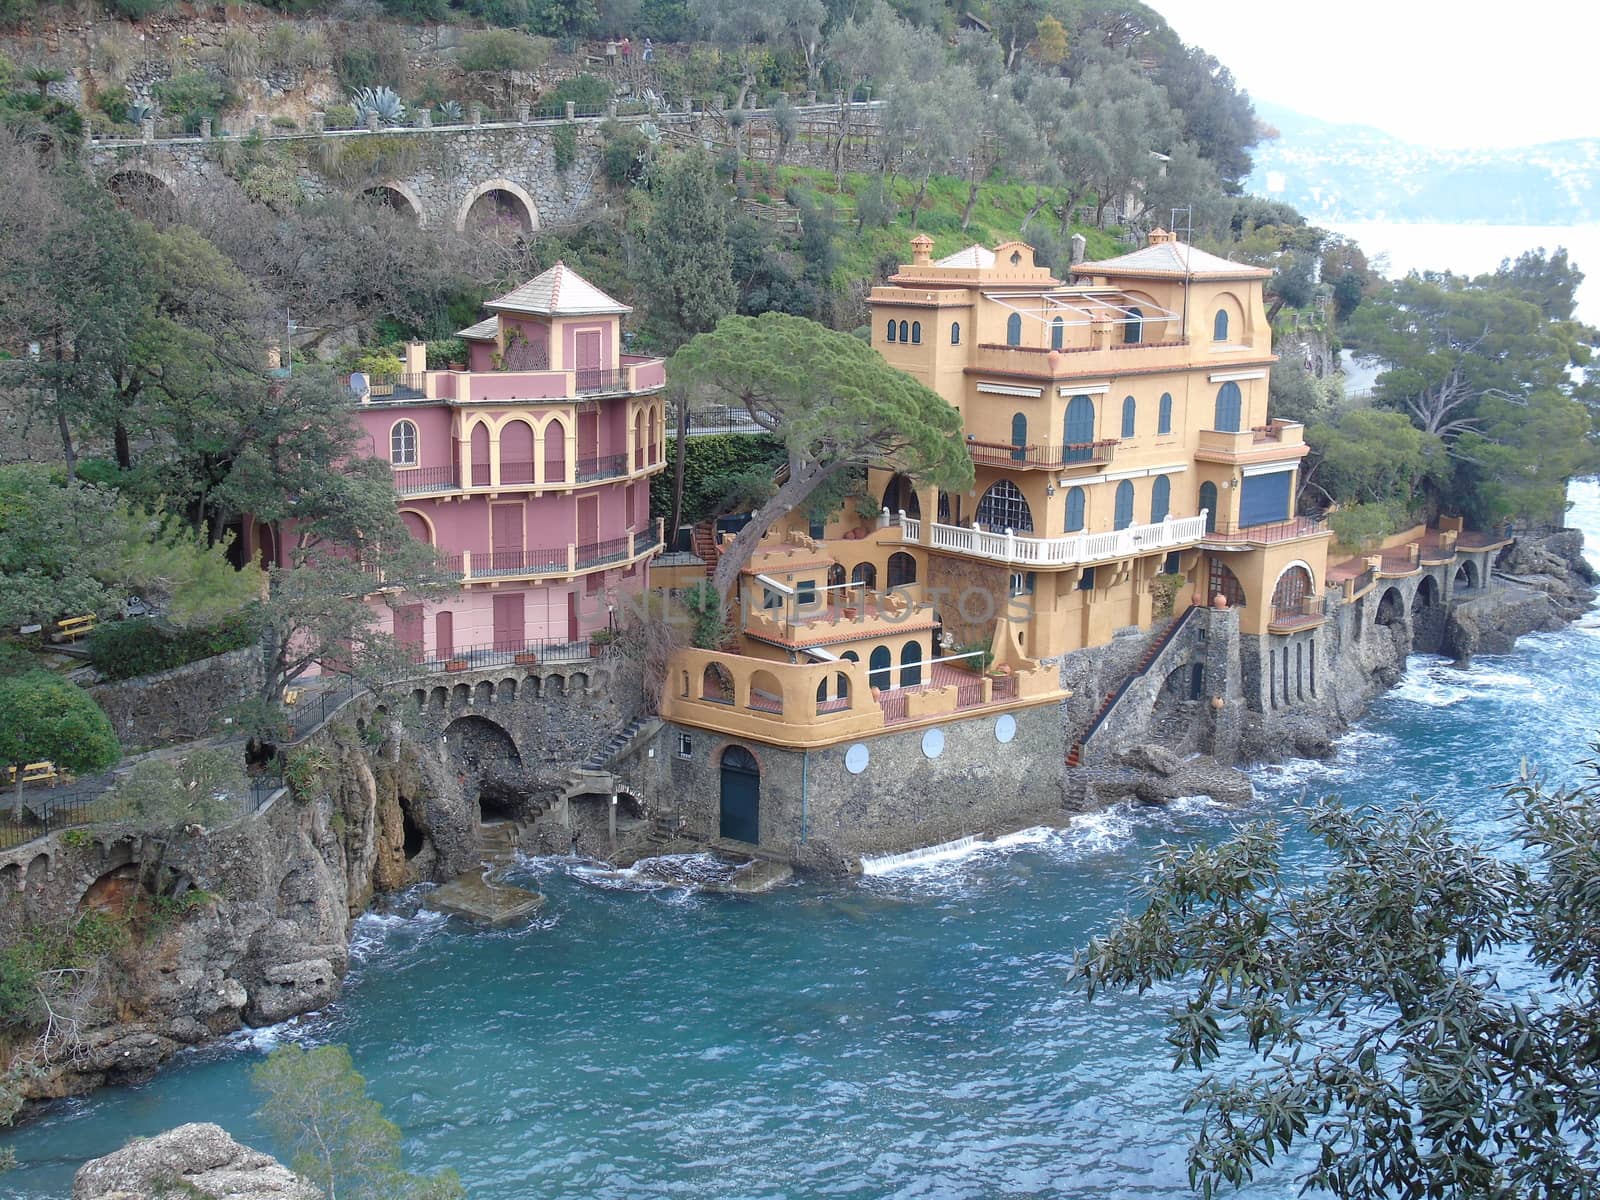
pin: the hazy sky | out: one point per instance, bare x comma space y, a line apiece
1467, 73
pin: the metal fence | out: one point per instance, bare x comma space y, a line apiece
524, 651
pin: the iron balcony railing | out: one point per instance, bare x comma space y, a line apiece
598, 379
525, 651
1296, 614
547, 560
408, 481
1268, 532
645, 540
1052, 458
612, 550
602, 467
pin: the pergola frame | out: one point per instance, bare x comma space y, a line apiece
1087, 306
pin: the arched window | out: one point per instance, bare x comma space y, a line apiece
955, 333
1223, 582
1058, 333
879, 666
866, 575
1130, 411
1075, 499
1004, 507
902, 569
836, 575
891, 331
1230, 402
1014, 329
1208, 501
1019, 436
1289, 596
1219, 326
1124, 513
1164, 414
403, 444
911, 664
916, 333
904, 332
1133, 331
1160, 499
1078, 433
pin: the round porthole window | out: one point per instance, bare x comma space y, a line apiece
1005, 727
933, 743
856, 759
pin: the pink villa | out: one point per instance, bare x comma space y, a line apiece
530, 471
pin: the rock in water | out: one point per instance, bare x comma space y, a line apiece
191, 1160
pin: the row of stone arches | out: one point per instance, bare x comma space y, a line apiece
497, 207
486, 692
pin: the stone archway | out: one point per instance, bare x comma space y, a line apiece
1391, 608
398, 197
490, 765
1427, 616
1466, 578
498, 207
145, 191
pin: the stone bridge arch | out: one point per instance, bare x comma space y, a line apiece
498, 205
397, 196
143, 189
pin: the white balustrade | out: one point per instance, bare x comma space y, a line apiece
1062, 551
911, 529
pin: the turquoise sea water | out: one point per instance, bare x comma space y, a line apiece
907, 1036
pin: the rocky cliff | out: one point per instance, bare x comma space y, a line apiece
247, 924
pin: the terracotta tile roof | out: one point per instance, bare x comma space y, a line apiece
1171, 258
558, 292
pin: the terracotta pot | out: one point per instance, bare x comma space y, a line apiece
456, 664
526, 658
458, 366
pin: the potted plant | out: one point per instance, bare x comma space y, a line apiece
456, 664
526, 658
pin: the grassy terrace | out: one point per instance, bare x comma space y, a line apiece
997, 216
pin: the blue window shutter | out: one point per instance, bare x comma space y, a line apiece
1208, 501
955, 333
1264, 499
1057, 334
1230, 402
1074, 509
891, 331
1160, 499
1164, 421
1124, 516
1130, 409
1219, 327
1019, 436
916, 333
1079, 428
1014, 329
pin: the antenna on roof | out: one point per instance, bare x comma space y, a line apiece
1187, 213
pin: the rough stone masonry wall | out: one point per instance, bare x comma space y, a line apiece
817, 814
182, 704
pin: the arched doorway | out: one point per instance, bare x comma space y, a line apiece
1289, 596
901, 494
1078, 430
1230, 408
880, 664
1223, 582
911, 665
1208, 501
741, 796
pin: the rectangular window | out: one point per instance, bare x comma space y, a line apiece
806, 593
771, 599
685, 750
1022, 583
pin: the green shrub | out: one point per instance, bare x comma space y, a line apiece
199, 788
586, 92
15, 660
502, 50
44, 718
1364, 526
445, 351
564, 142
15, 12
128, 649
137, 10
114, 103
340, 116
192, 96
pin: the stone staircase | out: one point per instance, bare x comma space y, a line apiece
594, 776
1075, 754
498, 840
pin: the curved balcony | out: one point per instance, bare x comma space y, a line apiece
1071, 550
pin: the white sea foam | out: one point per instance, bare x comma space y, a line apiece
663, 872
883, 864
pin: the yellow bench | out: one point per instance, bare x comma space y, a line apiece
68, 630
39, 772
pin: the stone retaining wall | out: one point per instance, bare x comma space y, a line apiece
180, 705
